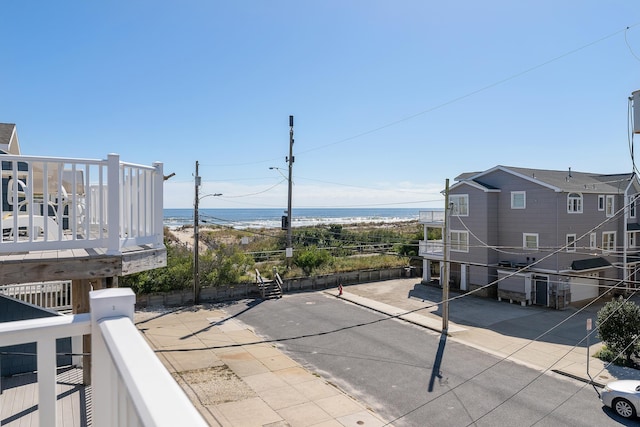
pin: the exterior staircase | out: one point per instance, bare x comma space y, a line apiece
269, 289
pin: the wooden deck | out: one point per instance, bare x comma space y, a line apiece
19, 400
77, 264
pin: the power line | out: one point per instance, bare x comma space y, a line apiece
475, 92
447, 103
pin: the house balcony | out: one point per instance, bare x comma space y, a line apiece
431, 218
432, 249
66, 219
129, 384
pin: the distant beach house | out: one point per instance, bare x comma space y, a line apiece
534, 236
9, 139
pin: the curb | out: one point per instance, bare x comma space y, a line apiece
578, 378
401, 316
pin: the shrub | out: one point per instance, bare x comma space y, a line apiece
605, 354
618, 325
311, 258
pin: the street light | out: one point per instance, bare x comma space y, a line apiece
196, 240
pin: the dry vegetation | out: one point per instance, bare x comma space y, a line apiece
228, 256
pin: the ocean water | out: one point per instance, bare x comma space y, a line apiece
271, 218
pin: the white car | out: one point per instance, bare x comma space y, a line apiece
622, 396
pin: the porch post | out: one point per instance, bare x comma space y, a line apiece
106, 303
80, 304
157, 215
113, 204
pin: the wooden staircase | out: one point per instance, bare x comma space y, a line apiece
269, 289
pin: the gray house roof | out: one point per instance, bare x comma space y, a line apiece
6, 132
9, 139
560, 181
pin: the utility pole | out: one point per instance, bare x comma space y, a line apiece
196, 243
290, 159
445, 281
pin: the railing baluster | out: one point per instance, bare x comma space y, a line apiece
121, 206
47, 381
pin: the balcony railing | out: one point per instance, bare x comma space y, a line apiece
431, 248
430, 217
62, 203
56, 295
130, 386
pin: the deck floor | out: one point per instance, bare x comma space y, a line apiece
19, 400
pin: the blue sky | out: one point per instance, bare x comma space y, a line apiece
390, 98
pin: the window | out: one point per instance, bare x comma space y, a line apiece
632, 206
592, 241
530, 240
601, 202
518, 199
460, 241
460, 204
609, 205
571, 242
631, 240
574, 203
608, 241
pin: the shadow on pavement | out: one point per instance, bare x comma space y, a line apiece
250, 304
436, 372
618, 419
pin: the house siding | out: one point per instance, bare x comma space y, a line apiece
540, 201
483, 222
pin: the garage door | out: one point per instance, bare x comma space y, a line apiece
583, 288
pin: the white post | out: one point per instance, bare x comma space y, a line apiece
47, 398
157, 214
106, 303
113, 204
76, 349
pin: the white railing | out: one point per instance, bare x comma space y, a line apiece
427, 217
52, 295
431, 248
130, 386
61, 203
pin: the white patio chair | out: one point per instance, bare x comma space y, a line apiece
35, 232
17, 195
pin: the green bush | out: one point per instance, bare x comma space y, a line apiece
618, 325
178, 274
310, 258
605, 354
225, 265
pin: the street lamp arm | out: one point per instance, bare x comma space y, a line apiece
279, 171
211, 195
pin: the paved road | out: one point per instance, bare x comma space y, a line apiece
411, 376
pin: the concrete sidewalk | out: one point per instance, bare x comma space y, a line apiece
236, 380
544, 339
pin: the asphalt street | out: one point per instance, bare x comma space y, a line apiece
412, 376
